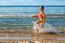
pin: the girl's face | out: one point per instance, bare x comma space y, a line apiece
41, 9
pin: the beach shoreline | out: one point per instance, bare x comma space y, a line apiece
30, 36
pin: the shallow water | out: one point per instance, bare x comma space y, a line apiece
28, 20
20, 17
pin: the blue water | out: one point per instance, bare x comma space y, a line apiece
21, 21
54, 10
31, 11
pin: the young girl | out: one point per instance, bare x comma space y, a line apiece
41, 18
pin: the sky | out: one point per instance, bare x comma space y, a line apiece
55, 2
21, 2
32, 2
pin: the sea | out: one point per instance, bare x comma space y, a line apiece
22, 15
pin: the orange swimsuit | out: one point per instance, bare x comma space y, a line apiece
41, 18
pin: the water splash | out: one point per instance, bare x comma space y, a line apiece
47, 28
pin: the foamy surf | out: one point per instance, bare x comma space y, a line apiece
48, 28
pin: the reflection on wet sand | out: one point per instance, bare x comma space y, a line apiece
30, 37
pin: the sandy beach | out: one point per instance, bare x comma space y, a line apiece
8, 36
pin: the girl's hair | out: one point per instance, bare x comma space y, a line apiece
42, 7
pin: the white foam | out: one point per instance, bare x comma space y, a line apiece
47, 28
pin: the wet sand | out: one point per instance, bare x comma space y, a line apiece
45, 37
31, 36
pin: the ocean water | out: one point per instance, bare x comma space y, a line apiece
22, 15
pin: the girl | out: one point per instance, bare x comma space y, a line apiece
41, 19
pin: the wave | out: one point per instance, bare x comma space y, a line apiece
16, 16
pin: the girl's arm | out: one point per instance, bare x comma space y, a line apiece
35, 16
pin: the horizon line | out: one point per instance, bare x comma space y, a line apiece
31, 5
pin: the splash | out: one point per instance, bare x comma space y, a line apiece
48, 28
